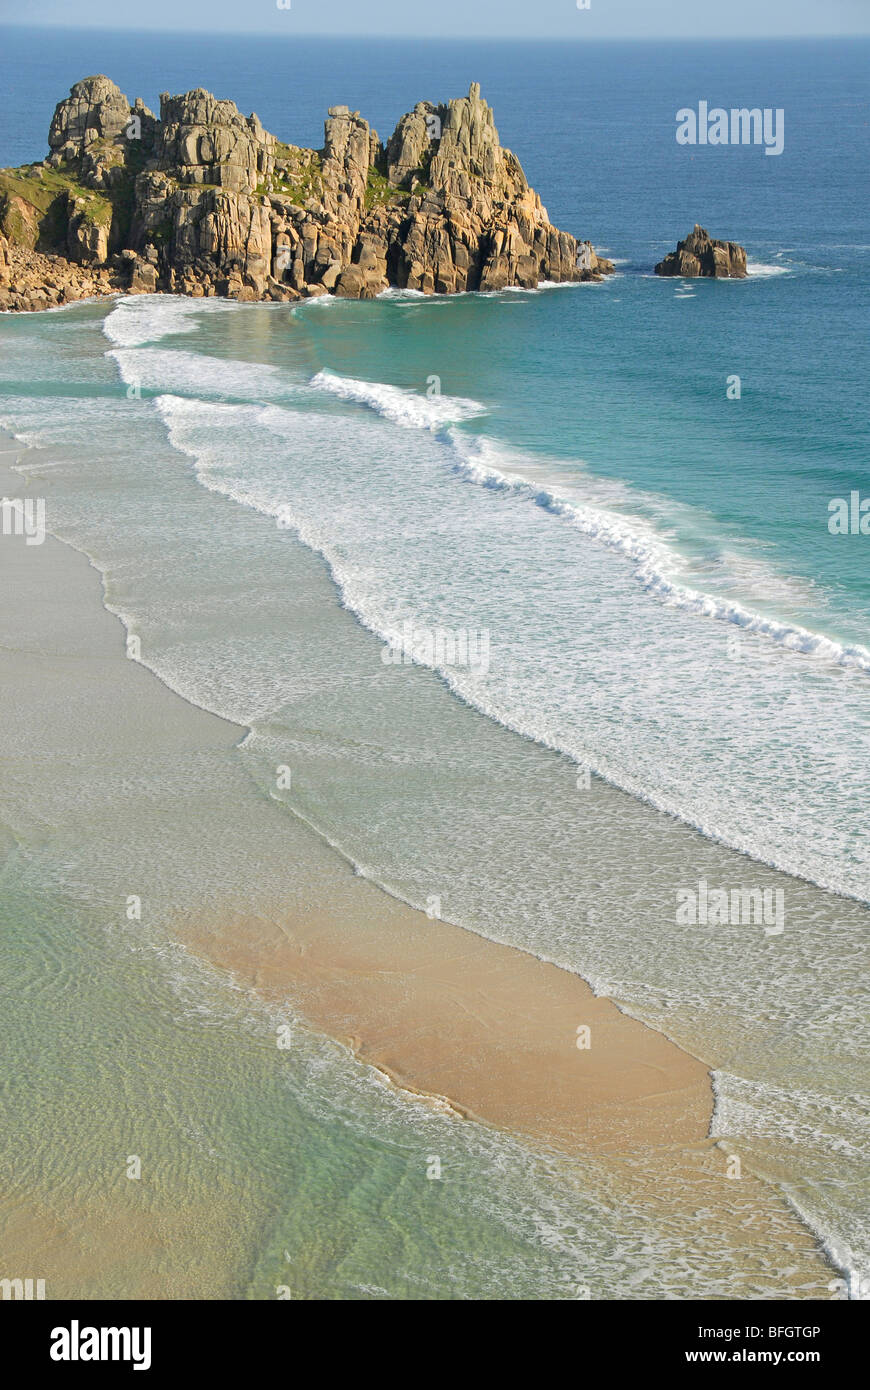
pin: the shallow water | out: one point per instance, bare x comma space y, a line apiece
270, 494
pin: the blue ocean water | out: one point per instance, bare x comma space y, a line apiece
593, 125
650, 560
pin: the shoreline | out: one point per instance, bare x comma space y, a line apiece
473, 1027
530, 967
441, 1010
36, 301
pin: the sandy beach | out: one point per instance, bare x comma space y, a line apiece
489, 1030
481, 1030
433, 853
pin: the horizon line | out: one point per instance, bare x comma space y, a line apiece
450, 38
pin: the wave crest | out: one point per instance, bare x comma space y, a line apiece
399, 404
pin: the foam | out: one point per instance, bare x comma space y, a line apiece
168, 369
656, 564
759, 269
146, 318
400, 405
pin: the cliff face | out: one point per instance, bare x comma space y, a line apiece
700, 254
204, 201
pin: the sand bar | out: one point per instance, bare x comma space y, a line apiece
442, 1011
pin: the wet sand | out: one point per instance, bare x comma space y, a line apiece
480, 1028
491, 1031
488, 1029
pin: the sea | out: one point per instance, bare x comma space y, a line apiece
537, 594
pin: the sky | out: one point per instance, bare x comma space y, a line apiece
458, 18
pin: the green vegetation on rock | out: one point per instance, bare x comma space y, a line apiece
298, 175
380, 192
47, 192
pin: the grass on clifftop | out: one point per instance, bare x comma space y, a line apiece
40, 186
46, 190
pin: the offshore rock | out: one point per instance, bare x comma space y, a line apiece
699, 254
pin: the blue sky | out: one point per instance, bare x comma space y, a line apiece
460, 18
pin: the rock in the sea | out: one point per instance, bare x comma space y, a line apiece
204, 201
700, 254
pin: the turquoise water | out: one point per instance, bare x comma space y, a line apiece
271, 492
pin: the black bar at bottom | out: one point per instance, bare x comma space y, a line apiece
140, 1339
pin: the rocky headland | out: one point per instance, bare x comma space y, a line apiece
204, 201
700, 254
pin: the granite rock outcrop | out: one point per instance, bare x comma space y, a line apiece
202, 200
700, 254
